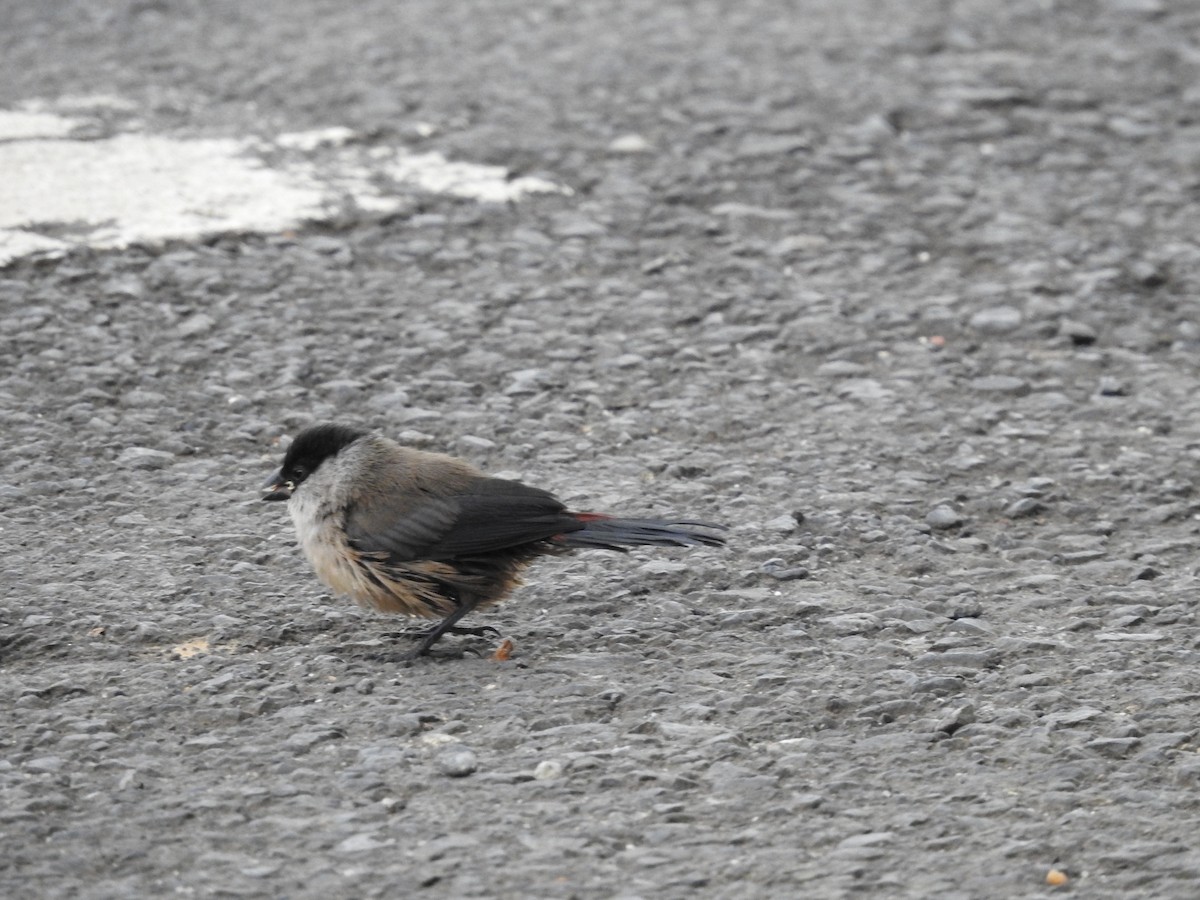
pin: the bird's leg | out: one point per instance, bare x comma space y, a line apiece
431, 636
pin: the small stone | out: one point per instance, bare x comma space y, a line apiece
629, 143
627, 361
758, 145
1035, 487
1148, 273
781, 524
457, 762
1133, 638
842, 368
1026, 506
1001, 384
1108, 386
195, 325
664, 567
779, 570
1072, 717
1033, 679
359, 843
1080, 333
967, 609
996, 320
416, 414
1079, 557
144, 399
870, 839
548, 770
44, 764
343, 390
939, 685
574, 225
799, 243
956, 719
969, 625
1117, 748
749, 211
471, 442
942, 517
852, 623
303, 741
958, 659
527, 381
144, 458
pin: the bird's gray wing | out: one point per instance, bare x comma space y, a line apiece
483, 516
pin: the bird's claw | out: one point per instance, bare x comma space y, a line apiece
474, 630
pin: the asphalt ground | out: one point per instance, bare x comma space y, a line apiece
904, 293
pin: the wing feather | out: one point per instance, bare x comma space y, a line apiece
482, 516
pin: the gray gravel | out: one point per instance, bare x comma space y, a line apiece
905, 293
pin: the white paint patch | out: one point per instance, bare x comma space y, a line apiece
434, 173
145, 189
57, 193
18, 125
311, 140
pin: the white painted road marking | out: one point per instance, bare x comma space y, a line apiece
134, 188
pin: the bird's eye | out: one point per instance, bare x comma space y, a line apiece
301, 472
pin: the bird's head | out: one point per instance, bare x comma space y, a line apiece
308, 451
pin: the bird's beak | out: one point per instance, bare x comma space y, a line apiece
276, 488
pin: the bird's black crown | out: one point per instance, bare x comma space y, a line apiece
313, 446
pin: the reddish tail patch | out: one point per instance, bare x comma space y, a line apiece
581, 517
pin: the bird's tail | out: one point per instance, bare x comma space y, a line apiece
611, 533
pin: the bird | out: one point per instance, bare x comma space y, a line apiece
424, 534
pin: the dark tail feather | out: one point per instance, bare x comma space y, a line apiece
618, 534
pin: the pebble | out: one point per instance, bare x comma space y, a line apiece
943, 517
869, 840
1079, 333
996, 320
1023, 508
548, 770
457, 762
304, 741
781, 524
472, 443
964, 659
1001, 384
968, 625
1118, 748
754, 145
956, 719
779, 570
144, 458
360, 843
193, 326
629, 143
852, 623
842, 368
45, 764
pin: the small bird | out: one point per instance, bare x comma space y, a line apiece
423, 534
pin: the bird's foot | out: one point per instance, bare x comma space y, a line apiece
475, 630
